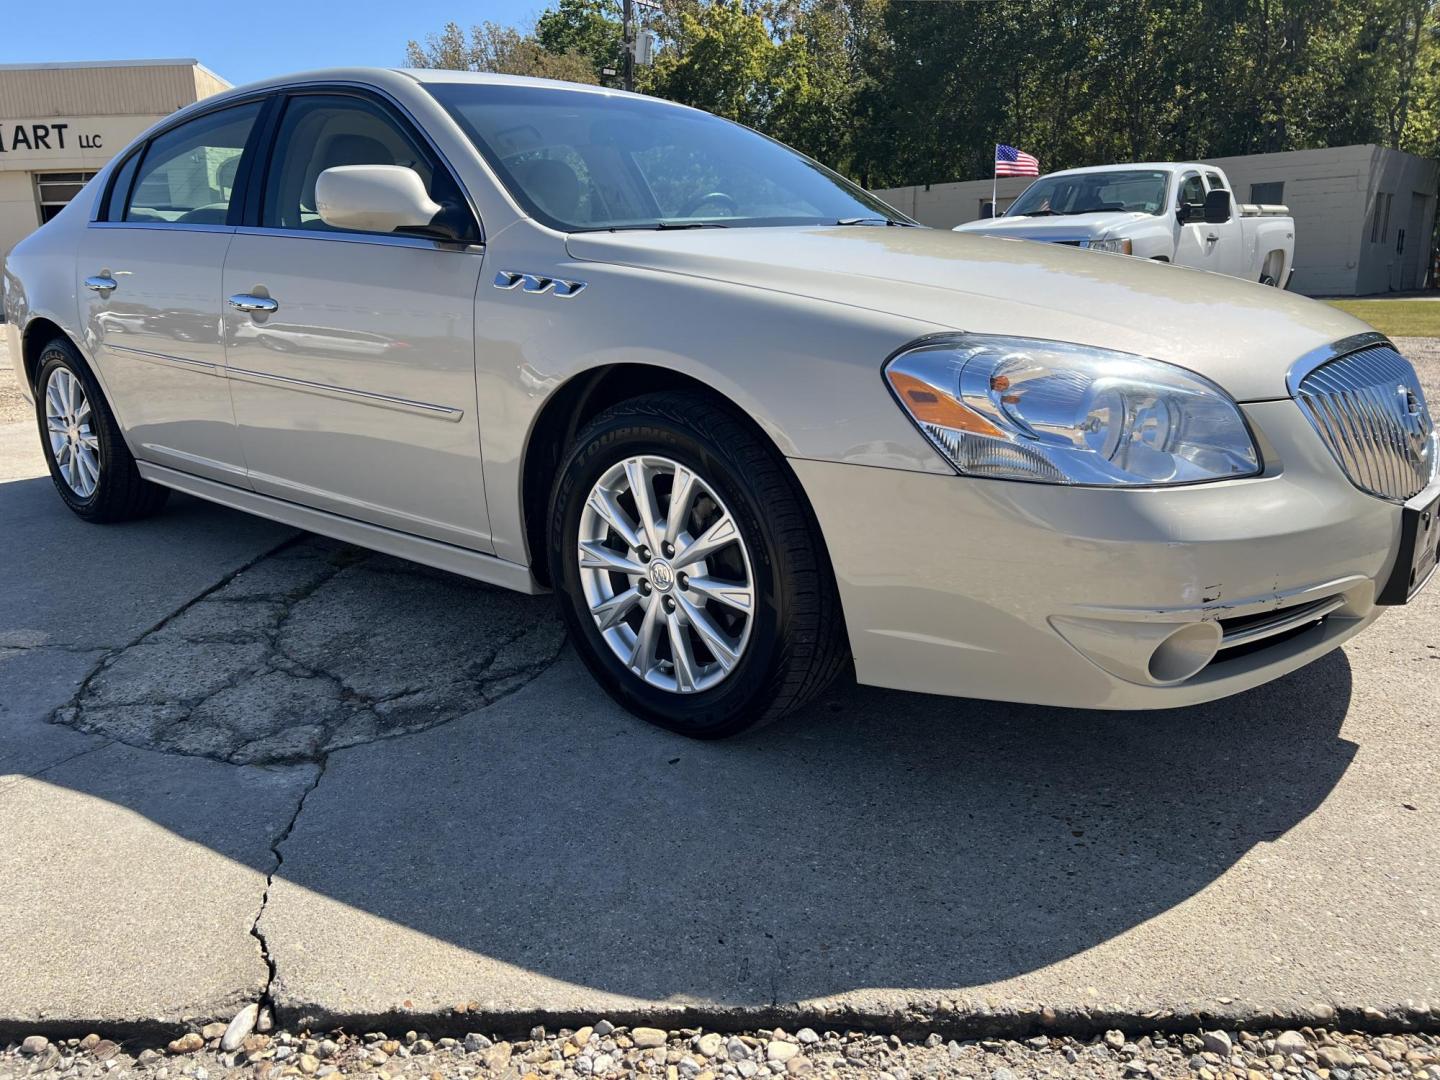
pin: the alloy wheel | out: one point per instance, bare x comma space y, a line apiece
666, 574
69, 426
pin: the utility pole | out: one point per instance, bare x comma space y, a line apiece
629, 36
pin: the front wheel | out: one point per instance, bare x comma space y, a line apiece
689, 570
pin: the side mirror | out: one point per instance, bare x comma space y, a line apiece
1217, 207
374, 198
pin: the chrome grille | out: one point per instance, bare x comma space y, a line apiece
1370, 410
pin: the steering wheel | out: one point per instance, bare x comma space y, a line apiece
709, 197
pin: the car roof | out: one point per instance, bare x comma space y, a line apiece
390, 76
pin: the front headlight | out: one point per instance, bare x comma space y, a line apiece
1025, 409
1119, 247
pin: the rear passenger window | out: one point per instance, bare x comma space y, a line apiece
188, 174
323, 131
120, 189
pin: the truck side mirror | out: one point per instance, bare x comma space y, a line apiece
1217, 207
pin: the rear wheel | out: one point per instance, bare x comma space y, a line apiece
88, 459
689, 570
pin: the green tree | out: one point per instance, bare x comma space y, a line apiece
727, 63
894, 92
588, 28
504, 50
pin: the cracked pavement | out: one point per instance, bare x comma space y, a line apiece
238, 762
284, 661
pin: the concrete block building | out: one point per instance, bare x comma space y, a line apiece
1364, 215
59, 123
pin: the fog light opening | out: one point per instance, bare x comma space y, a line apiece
1185, 652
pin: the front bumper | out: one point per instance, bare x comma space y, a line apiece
1065, 596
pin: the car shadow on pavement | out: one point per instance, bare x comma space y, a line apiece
878, 839
881, 839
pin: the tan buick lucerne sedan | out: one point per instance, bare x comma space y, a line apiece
749, 423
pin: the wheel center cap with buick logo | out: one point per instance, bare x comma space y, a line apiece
661, 576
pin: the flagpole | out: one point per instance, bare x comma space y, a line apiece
994, 171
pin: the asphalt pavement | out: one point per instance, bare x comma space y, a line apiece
240, 762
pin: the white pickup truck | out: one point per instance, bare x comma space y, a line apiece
1176, 212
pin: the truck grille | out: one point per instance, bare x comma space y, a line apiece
1370, 410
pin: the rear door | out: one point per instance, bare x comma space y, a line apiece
356, 393
150, 270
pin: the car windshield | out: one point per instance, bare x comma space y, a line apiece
1139, 190
580, 160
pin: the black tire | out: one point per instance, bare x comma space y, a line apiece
120, 494
797, 641
1266, 279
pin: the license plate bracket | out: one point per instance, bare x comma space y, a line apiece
1419, 549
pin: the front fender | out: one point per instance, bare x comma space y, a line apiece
808, 372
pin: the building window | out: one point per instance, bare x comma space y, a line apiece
53, 191
1271, 193
1380, 219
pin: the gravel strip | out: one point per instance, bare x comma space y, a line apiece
13, 408
603, 1050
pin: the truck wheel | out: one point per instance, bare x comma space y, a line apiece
1266, 279
689, 571
88, 459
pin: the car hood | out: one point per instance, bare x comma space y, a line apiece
1242, 335
1054, 229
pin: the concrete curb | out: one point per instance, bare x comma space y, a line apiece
914, 1021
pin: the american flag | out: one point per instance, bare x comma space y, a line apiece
1012, 162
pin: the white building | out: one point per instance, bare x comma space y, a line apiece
1364, 215
59, 123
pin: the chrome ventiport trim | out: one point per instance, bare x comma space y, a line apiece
537, 283
364, 397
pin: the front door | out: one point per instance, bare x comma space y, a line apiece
1228, 254
352, 355
149, 286
1198, 244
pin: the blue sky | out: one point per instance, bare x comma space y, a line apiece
288, 35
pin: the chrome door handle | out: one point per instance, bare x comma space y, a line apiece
1212, 237
257, 305
101, 283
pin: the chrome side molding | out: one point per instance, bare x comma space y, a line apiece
344, 393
